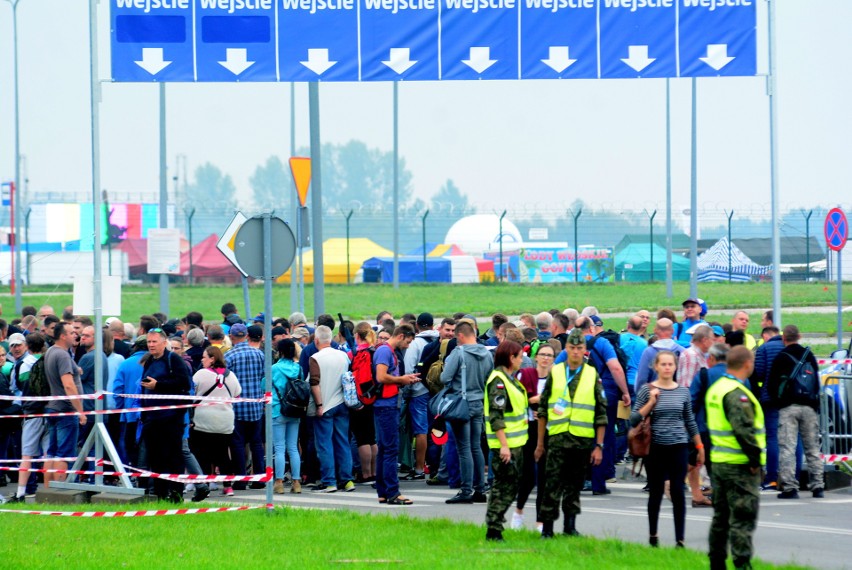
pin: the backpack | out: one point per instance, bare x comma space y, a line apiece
350, 391
37, 383
367, 389
615, 340
802, 385
294, 401
433, 375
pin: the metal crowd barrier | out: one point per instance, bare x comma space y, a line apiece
835, 414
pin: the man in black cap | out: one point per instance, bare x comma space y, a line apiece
418, 394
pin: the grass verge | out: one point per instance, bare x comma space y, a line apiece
299, 538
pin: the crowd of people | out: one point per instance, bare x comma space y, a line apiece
550, 398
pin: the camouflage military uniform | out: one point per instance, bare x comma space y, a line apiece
736, 490
567, 458
507, 476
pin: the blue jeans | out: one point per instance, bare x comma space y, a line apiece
331, 436
469, 443
250, 432
606, 469
387, 438
285, 434
62, 432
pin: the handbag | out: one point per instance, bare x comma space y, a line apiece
639, 438
450, 405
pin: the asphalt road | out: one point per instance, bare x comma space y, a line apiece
811, 532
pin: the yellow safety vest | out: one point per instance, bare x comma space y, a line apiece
725, 447
578, 418
517, 424
750, 343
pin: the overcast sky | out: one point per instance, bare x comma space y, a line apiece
504, 143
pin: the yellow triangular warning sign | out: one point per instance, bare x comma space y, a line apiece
300, 167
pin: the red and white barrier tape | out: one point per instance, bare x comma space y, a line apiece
104, 412
193, 398
119, 514
100, 395
147, 474
823, 361
834, 458
44, 459
95, 396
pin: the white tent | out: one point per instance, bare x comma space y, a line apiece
723, 261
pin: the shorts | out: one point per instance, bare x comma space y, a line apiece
34, 438
418, 411
363, 426
62, 432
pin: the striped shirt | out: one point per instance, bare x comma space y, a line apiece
672, 421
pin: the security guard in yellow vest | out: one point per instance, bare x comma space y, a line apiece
738, 452
574, 418
506, 431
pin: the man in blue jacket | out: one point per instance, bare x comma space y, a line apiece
764, 356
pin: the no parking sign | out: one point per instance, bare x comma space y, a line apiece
836, 229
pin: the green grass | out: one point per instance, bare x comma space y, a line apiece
298, 538
364, 301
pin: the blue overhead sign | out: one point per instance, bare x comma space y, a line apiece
235, 40
390, 40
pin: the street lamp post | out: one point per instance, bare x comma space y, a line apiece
17, 204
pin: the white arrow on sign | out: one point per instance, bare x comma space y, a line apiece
400, 60
558, 59
318, 60
717, 56
638, 57
152, 60
479, 59
236, 60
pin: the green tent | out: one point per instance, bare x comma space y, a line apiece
633, 263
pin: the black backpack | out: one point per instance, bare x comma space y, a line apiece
802, 385
294, 400
615, 340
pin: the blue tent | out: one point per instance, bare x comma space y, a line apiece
380, 269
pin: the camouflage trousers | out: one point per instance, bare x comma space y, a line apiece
736, 498
795, 421
564, 474
507, 481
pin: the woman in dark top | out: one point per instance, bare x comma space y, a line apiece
533, 379
672, 426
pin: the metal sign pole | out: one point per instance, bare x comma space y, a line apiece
839, 300
267, 344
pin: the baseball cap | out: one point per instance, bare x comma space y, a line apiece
17, 338
439, 432
718, 331
278, 330
260, 318
300, 332
575, 337
596, 320
238, 329
692, 300
255, 332
425, 320
110, 320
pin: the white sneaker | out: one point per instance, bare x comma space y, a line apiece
189, 488
517, 521
539, 527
